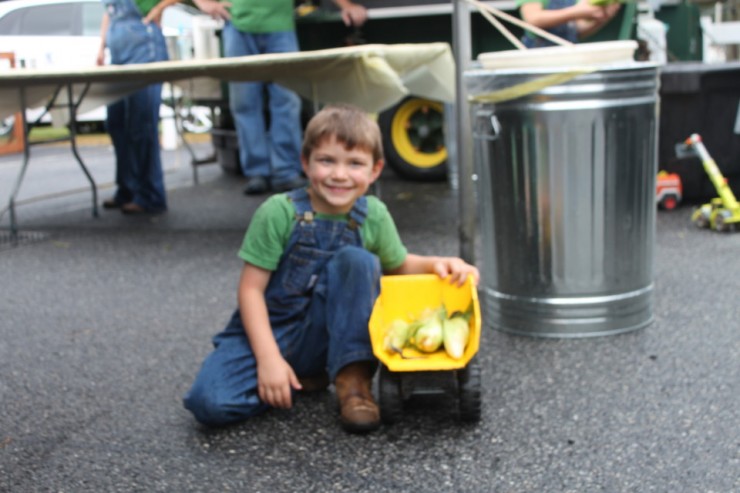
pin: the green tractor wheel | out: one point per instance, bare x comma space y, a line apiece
413, 138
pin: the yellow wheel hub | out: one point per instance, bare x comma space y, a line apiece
416, 133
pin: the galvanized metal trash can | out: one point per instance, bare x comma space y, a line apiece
566, 193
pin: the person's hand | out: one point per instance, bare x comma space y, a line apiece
354, 15
612, 9
456, 269
214, 8
100, 59
154, 15
275, 379
590, 12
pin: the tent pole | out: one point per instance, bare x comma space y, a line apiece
463, 55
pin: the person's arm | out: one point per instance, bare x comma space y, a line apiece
456, 268
275, 377
155, 15
103, 33
353, 14
214, 8
536, 14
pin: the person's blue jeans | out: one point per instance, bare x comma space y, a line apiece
332, 335
275, 154
132, 123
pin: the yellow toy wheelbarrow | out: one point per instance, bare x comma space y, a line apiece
405, 372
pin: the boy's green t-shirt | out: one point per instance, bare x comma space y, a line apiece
262, 16
274, 220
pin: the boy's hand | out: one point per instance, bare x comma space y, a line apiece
457, 269
275, 379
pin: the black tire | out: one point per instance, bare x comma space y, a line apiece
390, 400
413, 139
701, 217
720, 221
469, 386
669, 202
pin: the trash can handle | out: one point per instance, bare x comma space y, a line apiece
486, 125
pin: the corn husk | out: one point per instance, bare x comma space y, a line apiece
427, 338
397, 336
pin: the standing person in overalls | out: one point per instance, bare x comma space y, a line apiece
572, 20
130, 29
312, 264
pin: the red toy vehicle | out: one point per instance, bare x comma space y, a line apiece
668, 191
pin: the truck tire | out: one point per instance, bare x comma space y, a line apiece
390, 399
469, 399
413, 139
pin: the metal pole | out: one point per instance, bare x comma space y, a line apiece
461, 37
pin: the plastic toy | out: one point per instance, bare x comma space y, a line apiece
723, 212
668, 190
409, 372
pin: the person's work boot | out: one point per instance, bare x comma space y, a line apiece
358, 411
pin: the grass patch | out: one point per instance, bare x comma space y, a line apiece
48, 133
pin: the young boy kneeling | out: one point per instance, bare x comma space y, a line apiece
312, 264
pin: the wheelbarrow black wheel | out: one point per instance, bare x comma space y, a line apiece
390, 401
469, 384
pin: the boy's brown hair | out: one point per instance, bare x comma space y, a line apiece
349, 125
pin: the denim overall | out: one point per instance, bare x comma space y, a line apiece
272, 153
566, 31
319, 301
133, 121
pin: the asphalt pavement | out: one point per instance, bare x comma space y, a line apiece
105, 320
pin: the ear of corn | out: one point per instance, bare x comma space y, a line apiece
431, 332
397, 336
428, 336
456, 334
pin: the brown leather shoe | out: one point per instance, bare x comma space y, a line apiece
111, 204
133, 208
358, 411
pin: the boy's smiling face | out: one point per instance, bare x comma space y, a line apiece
339, 176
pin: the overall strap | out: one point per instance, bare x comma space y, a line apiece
302, 202
358, 214
304, 216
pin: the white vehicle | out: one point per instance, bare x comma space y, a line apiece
65, 34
